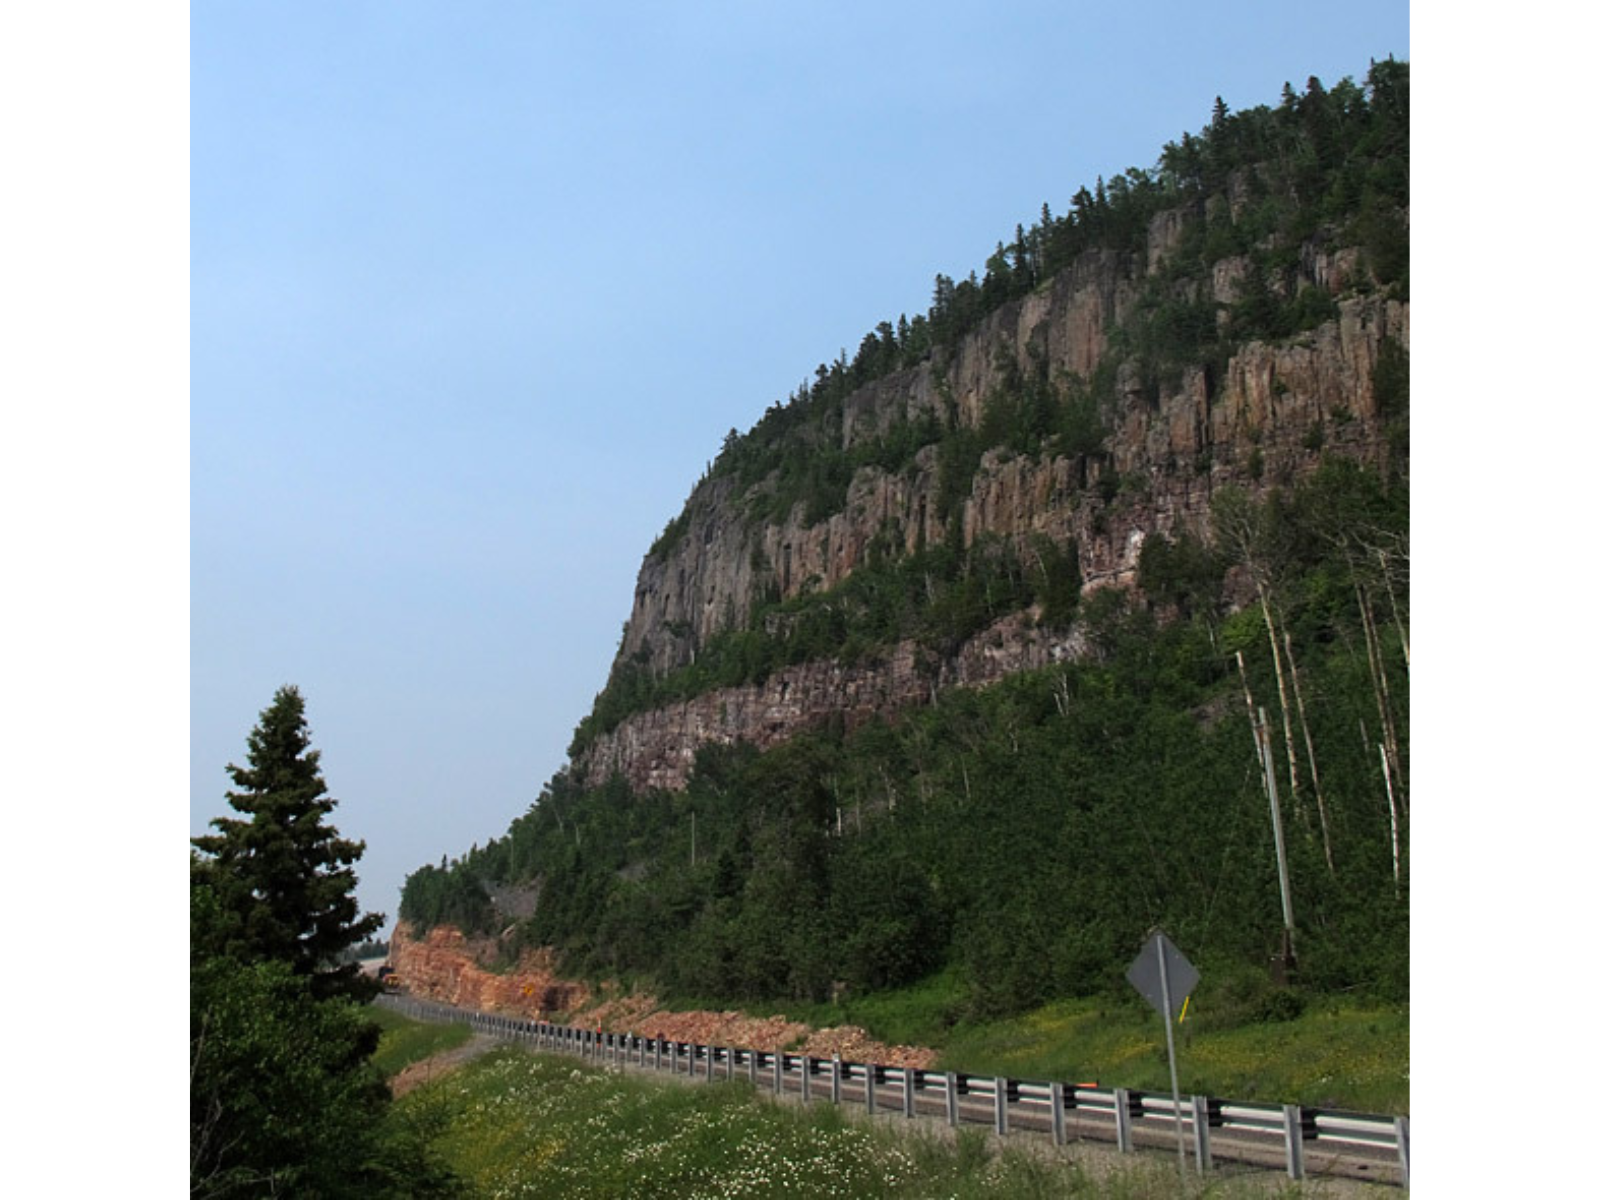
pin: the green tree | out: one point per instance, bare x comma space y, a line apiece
283, 1097
281, 873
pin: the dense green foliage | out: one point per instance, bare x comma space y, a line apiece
1029, 835
283, 1096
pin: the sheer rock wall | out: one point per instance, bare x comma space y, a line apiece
1269, 417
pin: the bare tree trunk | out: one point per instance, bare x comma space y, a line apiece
1380, 687
1394, 607
1250, 711
1311, 752
1283, 707
1394, 820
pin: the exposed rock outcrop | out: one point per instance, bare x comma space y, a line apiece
1268, 417
449, 967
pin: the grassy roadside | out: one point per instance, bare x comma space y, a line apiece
517, 1124
1241, 1038
405, 1041
1350, 1057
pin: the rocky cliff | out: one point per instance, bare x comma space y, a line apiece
1269, 416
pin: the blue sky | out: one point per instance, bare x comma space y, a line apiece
476, 290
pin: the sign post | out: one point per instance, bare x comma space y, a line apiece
1164, 977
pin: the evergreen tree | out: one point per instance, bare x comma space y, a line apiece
282, 874
283, 1097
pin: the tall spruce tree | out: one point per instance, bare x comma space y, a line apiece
282, 874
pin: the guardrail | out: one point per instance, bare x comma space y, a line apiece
1301, 1140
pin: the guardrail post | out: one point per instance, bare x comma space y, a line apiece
807, 1066
1058, 1113
872, 1088
952, 1098
1402, 1145
1124, 1107
912, 1078
1002, 1093
837, 1084
777, 1073
658, 1052
1294, 1150
1201, 1107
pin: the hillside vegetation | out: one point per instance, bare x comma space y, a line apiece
1024, 838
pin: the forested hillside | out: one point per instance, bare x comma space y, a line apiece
1145, 477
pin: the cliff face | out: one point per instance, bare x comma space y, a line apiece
656, 749
1268, 418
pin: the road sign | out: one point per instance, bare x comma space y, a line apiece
1164, 977
1145, 974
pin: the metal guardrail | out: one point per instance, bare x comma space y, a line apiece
1303, 1141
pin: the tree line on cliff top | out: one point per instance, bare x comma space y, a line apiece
1330, 163
1025, 837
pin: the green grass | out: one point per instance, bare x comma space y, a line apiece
1335, 1054
515, 1124
405, 1041
1332, 1056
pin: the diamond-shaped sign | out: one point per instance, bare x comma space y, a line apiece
1145, 974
